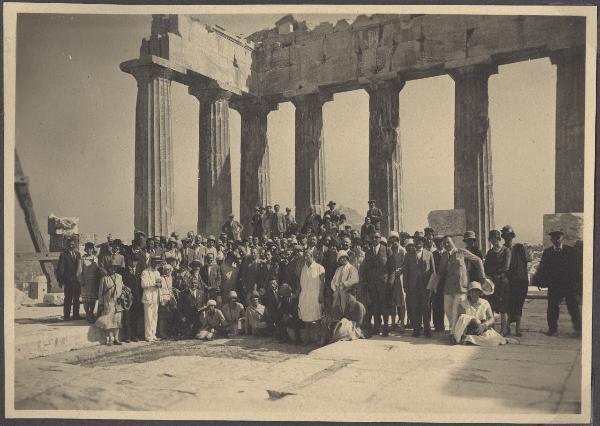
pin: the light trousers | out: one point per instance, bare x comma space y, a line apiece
451, 302
150, 320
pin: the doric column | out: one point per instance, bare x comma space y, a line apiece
385, 155
570, 130
154, 194
255, 180
310, 161
472, 150
214, 165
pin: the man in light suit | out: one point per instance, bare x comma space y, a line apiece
278, 222
419, 266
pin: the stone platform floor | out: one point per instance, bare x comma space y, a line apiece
390, 378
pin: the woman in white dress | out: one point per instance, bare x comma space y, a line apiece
111, 312
310, 302
475, 323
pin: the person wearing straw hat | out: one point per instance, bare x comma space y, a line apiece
558, 271
518, 278
152, 281
418, 269
343, 281
475, 323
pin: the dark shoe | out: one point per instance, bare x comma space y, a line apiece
386, 331
428, 333
76, 317
416, 333
66, 318
126, 341
551, 333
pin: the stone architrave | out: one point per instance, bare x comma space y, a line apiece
154, 191
385, 153
255, 178
570, 130
310, 161
570, 223
472, 151
214, 164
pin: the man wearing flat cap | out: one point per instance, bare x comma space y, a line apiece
375, 214
558, 271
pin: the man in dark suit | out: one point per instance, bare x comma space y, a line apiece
375, 214
376, 273
437, 299
418, 268
558, 270
67, 279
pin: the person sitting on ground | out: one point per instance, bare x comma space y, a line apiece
234, 314
255, 322
475, 323
349, 326
290, 324
212, 322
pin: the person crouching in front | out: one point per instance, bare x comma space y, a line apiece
234, 314
151, 283
212, 322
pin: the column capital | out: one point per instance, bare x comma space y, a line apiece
318, 98
567, 55
473, 70
260, 105
150, 66
209, 94
395, 85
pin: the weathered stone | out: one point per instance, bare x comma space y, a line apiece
214, 176
54, 299
570, 130
38, 288
448, 222
255, 181
61, 230
154, 193
385, 153
472, 149
570, 223
310, 167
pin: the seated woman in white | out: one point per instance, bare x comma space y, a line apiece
475, 323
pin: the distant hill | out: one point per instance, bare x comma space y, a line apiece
353, 217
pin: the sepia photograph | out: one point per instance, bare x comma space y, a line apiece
301, 212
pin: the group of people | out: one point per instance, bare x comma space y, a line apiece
313, 282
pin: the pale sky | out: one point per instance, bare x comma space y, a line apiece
76, 120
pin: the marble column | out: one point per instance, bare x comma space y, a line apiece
214, 165
570, 130
472, 150
385, 154
154, 193
255, 178
310, 161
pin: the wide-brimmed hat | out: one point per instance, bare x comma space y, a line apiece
393, 234
233, 295
507, 230
488, 287
371, 201
469, 235
438, 237
88, 245
342, 253
211, 237
474, 285
409, 241
556, 232
418, 234
383, 240
211, 302
429, 230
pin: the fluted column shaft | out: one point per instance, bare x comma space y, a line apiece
214, 164
255, 178
154, 193
570, 130
472, 150
310, 160
385, 154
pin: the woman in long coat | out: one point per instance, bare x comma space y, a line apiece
110, 319
89, 275
496, 266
